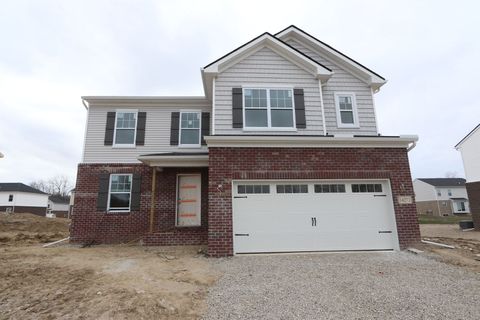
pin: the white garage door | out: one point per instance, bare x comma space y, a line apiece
286, 216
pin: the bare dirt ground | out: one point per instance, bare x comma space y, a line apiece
466, 243
101, 282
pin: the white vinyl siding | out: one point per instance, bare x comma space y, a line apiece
266, 69
343, 81
157, 134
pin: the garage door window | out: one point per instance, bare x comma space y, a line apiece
329, 188
364, 188
292, 188
253, 189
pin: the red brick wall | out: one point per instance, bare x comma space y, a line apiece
473, 191
226, 164
88, 224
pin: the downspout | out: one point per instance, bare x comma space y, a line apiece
86, 129
213, 107
322, 107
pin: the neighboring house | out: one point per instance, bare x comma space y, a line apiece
59, 206
441, 196
18, 197
281, 154
469, 147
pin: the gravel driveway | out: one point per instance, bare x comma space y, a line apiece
380, 285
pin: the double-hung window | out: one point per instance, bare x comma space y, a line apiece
125, 128
190, 125
346, 110
268, 108
120, 192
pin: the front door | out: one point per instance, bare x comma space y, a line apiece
189, 200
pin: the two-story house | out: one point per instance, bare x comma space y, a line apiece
441, 196
281, 154
469, 147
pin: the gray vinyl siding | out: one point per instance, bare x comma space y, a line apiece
157, 134
266, 68
343, 81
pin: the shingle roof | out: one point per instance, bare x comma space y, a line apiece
59, 199
19, 187
444, 182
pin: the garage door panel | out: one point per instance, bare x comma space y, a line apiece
343, 221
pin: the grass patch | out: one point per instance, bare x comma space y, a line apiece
424, 219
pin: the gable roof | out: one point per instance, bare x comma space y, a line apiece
467, 136
444, 182
59, 199
18, 187
368, 75
266, 39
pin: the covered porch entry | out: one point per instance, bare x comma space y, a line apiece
179, 208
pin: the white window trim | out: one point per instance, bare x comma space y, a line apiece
197, 145
109, 192
269, 115
355, 123
122, 145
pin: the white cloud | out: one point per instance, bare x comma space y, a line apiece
56, 51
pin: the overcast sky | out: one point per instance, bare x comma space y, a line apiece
53, 52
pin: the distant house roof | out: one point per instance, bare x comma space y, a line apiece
59, 199
467, 136
18, 187
444, 182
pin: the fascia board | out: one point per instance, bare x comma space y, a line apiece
351, 65
310, 142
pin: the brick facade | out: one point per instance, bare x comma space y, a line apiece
227, 164
88, 224
473, 191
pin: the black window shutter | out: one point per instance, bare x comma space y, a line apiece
102, 198
205, 126
136, 191
237, 108
174, 127
299, 108
141, 121
109, 129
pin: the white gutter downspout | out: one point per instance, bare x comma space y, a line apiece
86, 128
322, 107
213, 107
414, 143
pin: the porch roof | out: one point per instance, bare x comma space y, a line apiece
175, 159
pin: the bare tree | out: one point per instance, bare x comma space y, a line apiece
58, 185
451, 174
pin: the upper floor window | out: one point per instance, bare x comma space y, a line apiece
346, 110
439, 193
125, 128
10, 198
120, 192
449, 192
190, 129
268, 108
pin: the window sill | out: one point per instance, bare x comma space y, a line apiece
270, 129
118, 212
124, 146
190, 146
345, 126
186, 227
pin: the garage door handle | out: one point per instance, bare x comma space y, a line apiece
242, 234
240, 197
384, 231
379, 195
314, 222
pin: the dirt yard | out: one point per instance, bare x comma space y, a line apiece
101, 282
466, 243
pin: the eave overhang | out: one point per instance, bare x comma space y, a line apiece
373, 79
164, 160
316, 69
237, 141
168, 101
